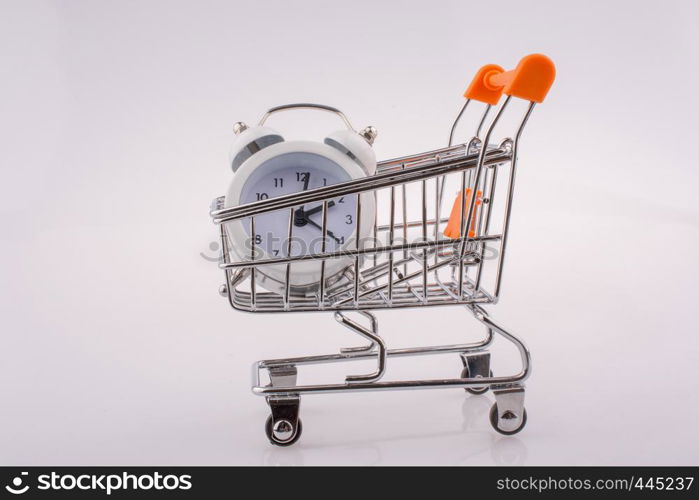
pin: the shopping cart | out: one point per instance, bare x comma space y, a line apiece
422, 254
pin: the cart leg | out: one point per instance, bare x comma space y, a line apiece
476, 366
283, 426
345, 321
507, 415
376, 343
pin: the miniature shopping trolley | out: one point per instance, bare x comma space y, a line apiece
310, 226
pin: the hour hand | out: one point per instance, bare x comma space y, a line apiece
317, 209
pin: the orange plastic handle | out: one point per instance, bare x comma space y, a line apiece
530, 80
480, 88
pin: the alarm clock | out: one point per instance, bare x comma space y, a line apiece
266, 166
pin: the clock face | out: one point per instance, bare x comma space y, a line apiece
290, 173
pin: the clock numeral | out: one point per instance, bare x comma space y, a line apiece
258, 239
278, 182
341, 240
325, 181
276, 252
304, 177
341, 200
261, 196
348, 219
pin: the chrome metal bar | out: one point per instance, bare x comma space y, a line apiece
391, 353
508, 203
363, 251
393, 163
357, 247
287, 280
437, 206
481, 163
456, 122
224, 260
355, 186
377, 386
481, 315
488, 200
366, 305
392, 220
462, 234
424, 238
480, 124
376, 343
465, 222
430, 222
404, 206
253, 270
468, 148
342, 318
324, 233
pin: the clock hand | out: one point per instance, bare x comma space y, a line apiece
317, 209
300, 214
301, 218
315, 224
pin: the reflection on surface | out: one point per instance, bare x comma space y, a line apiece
475, 442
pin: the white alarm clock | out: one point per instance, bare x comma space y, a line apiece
266, 166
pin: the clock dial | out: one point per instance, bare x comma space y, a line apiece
290, 173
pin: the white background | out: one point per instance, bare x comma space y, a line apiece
115, 125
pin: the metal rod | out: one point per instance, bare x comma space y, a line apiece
324, 232
456, 121
357, 245
253, 270
481, 163
424, 238
393, 163
287, 281
392, 217
485, 209
362, 251
404, 206
480, 124
356, 186
395, 353
508, 203
430, 222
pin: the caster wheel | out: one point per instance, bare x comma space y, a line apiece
282, 433
473, 390
494, 420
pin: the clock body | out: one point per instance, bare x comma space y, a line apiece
288, 167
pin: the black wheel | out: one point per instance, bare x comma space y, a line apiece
473, 390
285, 434
494, 421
